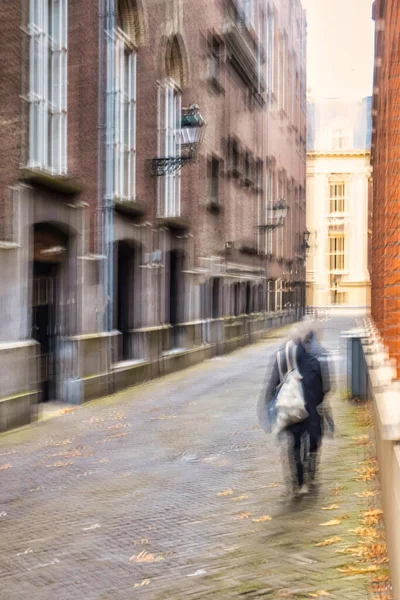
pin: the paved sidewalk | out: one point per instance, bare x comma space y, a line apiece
171, 491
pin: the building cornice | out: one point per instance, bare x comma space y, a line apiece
339, 153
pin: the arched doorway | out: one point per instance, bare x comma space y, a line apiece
125, 284
50, 248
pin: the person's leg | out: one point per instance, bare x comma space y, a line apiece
296, 458
315, 444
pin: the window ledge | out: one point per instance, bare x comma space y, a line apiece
129, 207
59, 183
175, 223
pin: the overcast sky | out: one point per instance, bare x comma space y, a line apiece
340, 48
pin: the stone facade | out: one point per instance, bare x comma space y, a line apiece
338, 182
112, 275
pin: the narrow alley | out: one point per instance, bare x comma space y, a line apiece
171, 490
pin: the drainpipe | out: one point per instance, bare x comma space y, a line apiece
109, 165
107, 28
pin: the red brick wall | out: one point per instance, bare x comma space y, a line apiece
386, 163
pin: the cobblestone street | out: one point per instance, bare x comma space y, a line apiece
171, 491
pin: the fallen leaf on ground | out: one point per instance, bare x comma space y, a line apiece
197, 573
262, 519
331, 507
366, 494
366, 473
330, 541
146, 557
371, 517
271, 485
243, 515
62, 443
223, 494
366, 532
335, 491
141, 542
361, 440
68, 411
61, 464
320, 594
239, 498
142, 583
164, 418
5, 467
331, 523
352, 570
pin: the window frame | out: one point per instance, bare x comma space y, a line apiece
125, 91
48, 86
337, 201
169, 114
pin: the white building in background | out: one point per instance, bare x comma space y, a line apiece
338, 184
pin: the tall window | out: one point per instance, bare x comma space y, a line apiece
169, 125
48, 29
125, 118
337, 197
214, 59
213, 179
336, 253
270, 49
268, 208
340, 140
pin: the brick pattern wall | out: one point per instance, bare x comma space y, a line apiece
386, 164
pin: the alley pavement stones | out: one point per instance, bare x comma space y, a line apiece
172, 491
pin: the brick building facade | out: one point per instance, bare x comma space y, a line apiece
385, 156
117, 265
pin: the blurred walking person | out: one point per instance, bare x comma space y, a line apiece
302, 438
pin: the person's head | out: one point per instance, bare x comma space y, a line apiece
304, 331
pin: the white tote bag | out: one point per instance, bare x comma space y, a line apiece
290, 405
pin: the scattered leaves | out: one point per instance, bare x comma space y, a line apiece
5, 467
367, 494
68, 411
331, 507
337, 490
262, 519
330, 541
361, 440
371, 517
365, 532
271, 485
366, 473
243, 515
63, 443
331, 523
142, 583
354, 570
240, 498
223, 494
146, 557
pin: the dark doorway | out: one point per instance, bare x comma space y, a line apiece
50, 247
124, 304
216, 296
175, 293
236, 299
249, 307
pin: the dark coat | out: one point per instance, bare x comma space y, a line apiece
310, 370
